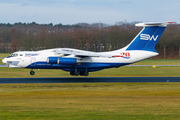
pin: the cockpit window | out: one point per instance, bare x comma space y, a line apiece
13, 55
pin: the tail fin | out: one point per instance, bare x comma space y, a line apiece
148, 37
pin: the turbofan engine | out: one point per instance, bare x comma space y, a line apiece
62, 60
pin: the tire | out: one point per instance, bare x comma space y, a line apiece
32, 72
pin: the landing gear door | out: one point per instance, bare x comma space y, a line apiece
33, 61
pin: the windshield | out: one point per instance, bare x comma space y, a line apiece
13, 55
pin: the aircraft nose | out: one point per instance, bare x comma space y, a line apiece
4, 60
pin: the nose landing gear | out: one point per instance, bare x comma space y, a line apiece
32, 72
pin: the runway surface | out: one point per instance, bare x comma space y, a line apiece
3, 65
89, 79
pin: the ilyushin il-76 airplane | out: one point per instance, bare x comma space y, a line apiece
80, 62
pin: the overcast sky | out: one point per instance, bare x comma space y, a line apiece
88, 11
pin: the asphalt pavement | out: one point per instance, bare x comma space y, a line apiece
89, 79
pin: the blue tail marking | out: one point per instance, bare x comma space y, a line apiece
147, 38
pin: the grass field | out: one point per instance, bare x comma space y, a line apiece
114, 72
90, 101
3, 55
159, 62
93, 101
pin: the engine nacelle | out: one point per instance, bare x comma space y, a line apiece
52, 60
67, 61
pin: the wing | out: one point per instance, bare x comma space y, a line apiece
81, 53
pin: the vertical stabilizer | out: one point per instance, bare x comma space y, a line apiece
148, 37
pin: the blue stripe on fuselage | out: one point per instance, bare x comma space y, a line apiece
89, 66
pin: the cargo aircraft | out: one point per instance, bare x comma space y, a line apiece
80, 62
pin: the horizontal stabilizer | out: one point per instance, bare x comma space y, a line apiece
154, 24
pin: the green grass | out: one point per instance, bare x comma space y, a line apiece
4, 54
90, 101
114, 72
159, 62
1, 63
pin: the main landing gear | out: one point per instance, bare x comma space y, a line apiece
79, 73
32, 72
76, 73
84, 73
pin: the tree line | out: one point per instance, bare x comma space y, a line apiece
92, 37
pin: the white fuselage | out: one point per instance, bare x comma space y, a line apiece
38, 59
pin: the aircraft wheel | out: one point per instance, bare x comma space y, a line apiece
72, 73
86, 74
76, 73
32, 72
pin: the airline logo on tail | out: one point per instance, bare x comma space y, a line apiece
148, 37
